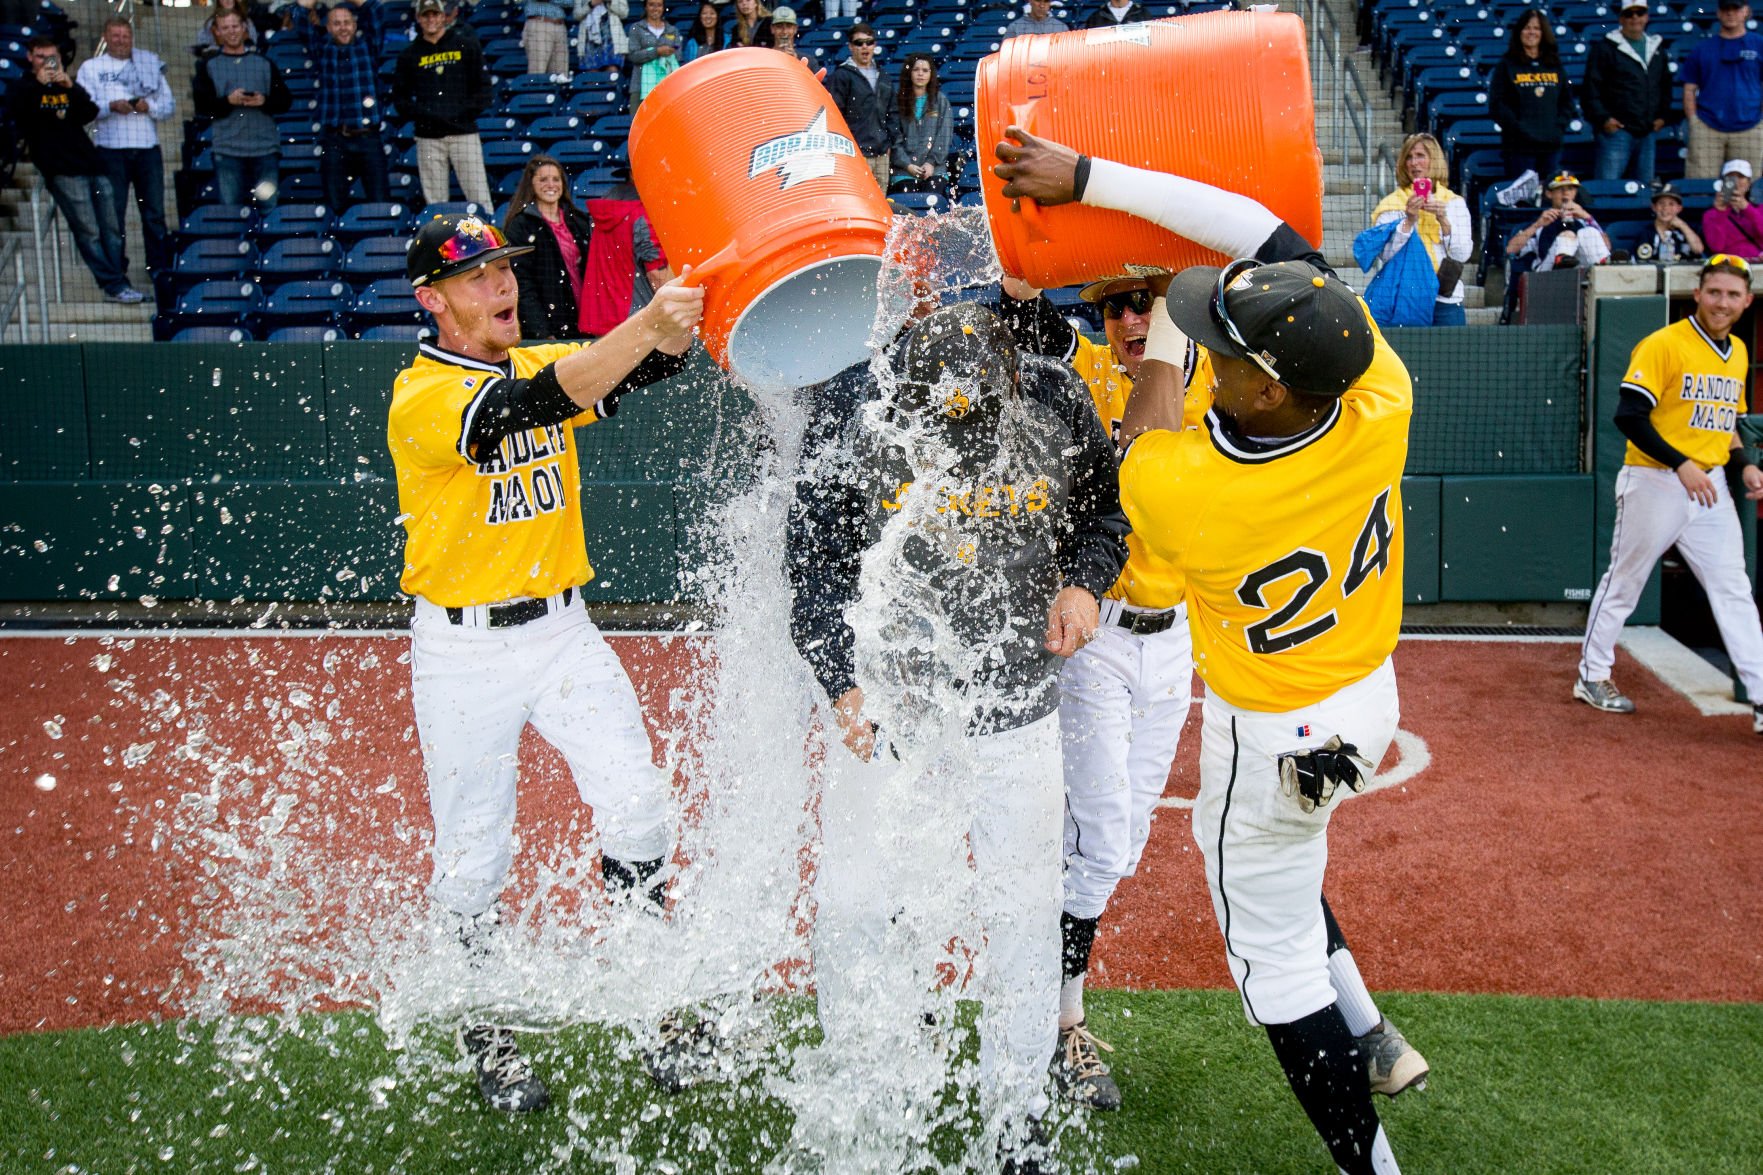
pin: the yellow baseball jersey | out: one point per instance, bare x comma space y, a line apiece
1146, 581
486, 527
1292, 552
1696, 387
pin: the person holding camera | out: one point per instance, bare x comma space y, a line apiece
129, 86
1424, 207
1563, 236
1672, 239
51, 112
242, 91
1735, 225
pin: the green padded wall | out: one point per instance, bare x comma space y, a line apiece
239, 411
1621, 323
1420, 535
358, 381
633, 542
1516, 538
43, 388
1510, 407
277, 540
95, 541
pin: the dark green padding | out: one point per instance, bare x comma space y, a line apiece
95, 540
1420, 534
358, 379
276, 540
250, 410
44, 390
1516, 538
632, 530
1621, 324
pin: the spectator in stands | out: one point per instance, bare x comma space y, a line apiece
864, 97
1531, 98
1435, 214
1671, 239
750, 24
349, 107
441, 85
1564, 234
654, 50
129, 86
783, 31
543, 215
706, 34
51, 113
544, 34
1723, 94
834, 9
624, 262
920, 129
600, 39
1111, 14
257, 25
1038, 19
1626, 96
242, 91
1735, 225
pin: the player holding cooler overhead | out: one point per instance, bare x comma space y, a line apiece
1124, 697
481, 433
1283, 512
1681, 398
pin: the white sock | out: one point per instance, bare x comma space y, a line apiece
1351, 995
1071, 1002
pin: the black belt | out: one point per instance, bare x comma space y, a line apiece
512, 614
354, 132
1146, 623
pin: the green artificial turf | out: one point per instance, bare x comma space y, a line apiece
1519, 1085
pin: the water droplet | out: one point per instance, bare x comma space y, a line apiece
53, 726
45, 782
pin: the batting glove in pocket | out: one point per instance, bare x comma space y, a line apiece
1314, 776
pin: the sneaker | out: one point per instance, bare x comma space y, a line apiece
1393, 1063
1602, 695
504, 1077
1079, 1072
128, 296
1522, 190
686, 1054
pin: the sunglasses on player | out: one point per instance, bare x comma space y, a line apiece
1221, 313
1738, 263
1138, 301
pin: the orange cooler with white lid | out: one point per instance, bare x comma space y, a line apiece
748, 173
1221, 97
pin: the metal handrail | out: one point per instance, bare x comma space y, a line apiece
46, 224
12, 297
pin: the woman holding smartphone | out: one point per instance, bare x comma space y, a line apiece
1423, 206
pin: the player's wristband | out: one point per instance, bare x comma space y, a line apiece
1080, 177
1164, 341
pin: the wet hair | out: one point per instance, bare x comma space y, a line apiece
1548, 52
523, 191
906, 99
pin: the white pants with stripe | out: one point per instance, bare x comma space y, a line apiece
1653, 513
1123, 700
885, 868
1265, 856
475, 689
464, 155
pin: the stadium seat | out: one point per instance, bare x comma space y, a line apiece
387, 302
212, 259
217, 220
398, 332
611, 126
527, 83
453, 208
556, 128
373, 220
375, 258
302, 187
491, 129
530, 106
305, 334
584, 153
1627, 234
919, 203
212, 334
511, 156
304, 303
596, 103
212, 303
301, 257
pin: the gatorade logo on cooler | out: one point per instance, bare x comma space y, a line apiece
805, 155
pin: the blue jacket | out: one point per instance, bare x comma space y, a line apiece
1404, 290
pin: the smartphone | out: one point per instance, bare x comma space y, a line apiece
1423, 188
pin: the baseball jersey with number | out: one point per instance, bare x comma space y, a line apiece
1292, 550
484, 527
1696, 387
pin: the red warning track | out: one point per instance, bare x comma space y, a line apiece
1545, 849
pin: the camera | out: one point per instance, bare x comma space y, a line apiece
1729, 186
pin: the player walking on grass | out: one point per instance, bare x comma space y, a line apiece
1681, 398
1283, 512
481, 434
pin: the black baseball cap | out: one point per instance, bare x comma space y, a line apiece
1301, 326
446, 246
958, 364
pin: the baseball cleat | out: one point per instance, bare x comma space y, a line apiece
1393, 1063
504, 1077
686, 1054
1602, 695
1079, 1072
1031, 1155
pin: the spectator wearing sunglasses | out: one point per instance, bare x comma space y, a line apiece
864, 95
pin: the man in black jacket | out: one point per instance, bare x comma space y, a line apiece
50, 111
441, 85
934, 528
242, 91
864, 95
1626, 96
1110, 14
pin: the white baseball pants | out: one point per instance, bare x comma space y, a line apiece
475, 689
1265, 856
1653, 512
880, 870
1122, 702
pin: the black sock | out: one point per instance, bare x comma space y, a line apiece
624, 877
1327, 1072
1336, 940
1076, 937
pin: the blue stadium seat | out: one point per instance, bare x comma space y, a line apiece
495, 128
212, 303
502, 158
556, 128
375, 258
531, 106
300, 257
304, 303
507, 186
387, 302
527, 83
595, 185
217, 220
373, 220
919, 203
399, 332
212, 334
1625, 235
213, 259
584, 153
596, 103
303, 187
297, 157
453, 208
611, 126
305, 334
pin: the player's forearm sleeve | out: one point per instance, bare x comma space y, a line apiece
1634, 419
1037, 327
655, 367
506, 406
1234, 225
822, 559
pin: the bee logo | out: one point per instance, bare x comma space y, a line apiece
956, 404
966, 553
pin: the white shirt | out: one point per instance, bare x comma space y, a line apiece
1457, 246
140, 75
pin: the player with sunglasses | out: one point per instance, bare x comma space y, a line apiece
1125, 696
489, 484
1282, 512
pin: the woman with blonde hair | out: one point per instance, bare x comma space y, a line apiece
1423, 211
749, 23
